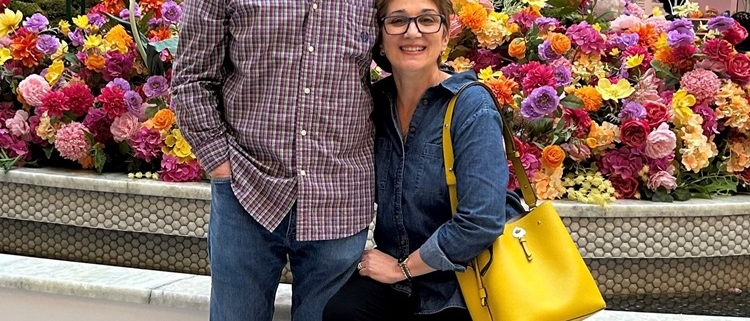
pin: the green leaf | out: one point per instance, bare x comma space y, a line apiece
169, 44
540, 126
661, 195
48, 151
71, 57
124, 148
572, 102
99, 158
682, 194
151, 111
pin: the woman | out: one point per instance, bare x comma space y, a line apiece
421, 244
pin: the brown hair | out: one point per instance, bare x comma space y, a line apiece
445, 8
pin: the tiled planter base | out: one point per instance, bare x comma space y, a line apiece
633, 247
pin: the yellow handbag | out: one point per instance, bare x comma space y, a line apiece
533, 271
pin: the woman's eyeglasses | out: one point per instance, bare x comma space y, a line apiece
426, 23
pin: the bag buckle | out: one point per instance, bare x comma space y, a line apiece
519, 233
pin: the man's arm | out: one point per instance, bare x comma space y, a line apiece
197, 80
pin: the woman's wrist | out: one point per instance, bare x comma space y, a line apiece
402, 264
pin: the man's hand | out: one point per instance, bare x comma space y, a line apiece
223, 171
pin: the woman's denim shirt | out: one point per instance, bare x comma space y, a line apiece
414, 210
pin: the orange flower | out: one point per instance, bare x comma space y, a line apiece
163, 119
647, 35
552, 156
87, 162
95, 62
664, 56
113, 6
517, 48
560, 43
473, 15
592, 99
503, 89
152, 6
160, 33
24, 49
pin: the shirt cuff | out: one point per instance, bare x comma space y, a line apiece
213, 153
433, 256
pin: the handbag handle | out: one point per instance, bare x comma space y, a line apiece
529, 196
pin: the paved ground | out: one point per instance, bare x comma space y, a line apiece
33, 289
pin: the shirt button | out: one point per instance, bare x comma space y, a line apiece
403, 242
303, 132
310, 48
315, 6
306, 90
412, 130
424, 102
302, 173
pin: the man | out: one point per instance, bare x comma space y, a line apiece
273, 96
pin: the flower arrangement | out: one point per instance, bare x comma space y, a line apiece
90, 94
611, 103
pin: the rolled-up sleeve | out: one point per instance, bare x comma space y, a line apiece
481, 182
197, 80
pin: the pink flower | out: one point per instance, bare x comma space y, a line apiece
576, 151
124, 127
624, 163
661, 142
33, 88
456, 27
662, 179
18, 125
624, 22
55, 103
701, 83
71, 141
172, 170
146, 144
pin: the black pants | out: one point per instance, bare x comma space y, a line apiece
364, 299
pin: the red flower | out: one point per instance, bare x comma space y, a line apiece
24, 49
113, 102
718, 49
736, 34
537, 75
55, 103
624, 187
4, 4
738, 67
656, 113
79, 97
578, 118
634, 132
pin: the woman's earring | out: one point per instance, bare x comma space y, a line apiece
382, 53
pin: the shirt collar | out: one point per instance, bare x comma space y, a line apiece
458, 80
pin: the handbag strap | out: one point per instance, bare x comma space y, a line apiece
512, 153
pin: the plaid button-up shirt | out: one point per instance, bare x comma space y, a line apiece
280, 90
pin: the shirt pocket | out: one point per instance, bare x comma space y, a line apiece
430, 179
360, 31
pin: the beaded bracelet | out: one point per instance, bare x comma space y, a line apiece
405, 269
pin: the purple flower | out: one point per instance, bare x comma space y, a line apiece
710, 124
172, 170
624, 41
483, 58
154, 23
512, 70
47, 44
96, 19
676, 39
123, 84
125, 13
544, 23
562, 76
171, 12
632, 110
682, 26
720, 23
586, 37
146, 144
116, 65
133, 101
36, 23
545, 51
540, 102
98, 124
77, 37
155, 86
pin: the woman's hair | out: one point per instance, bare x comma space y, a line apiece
445, 8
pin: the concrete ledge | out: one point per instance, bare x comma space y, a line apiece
176, 290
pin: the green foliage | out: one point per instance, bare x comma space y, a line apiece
27, 8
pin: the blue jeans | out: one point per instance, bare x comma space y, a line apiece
247, 260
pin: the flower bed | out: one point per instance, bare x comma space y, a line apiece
605, 104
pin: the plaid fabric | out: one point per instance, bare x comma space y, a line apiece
279, 88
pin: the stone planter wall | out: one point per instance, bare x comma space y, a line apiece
632, 247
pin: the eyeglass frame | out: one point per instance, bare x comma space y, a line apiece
410, 20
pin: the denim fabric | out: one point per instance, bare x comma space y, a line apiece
414, 209
247, 259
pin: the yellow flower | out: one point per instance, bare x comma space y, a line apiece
681, 103
614, 92
634, 61
535, 3
9, 21
597, 27
54, 72
81, 21
614, 52
118, 39
487, 73
656, 12
4, 55
461, 64
661, 42
62, 49
64, 27
178, 146
92, 42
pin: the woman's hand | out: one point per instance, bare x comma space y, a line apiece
380, 267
